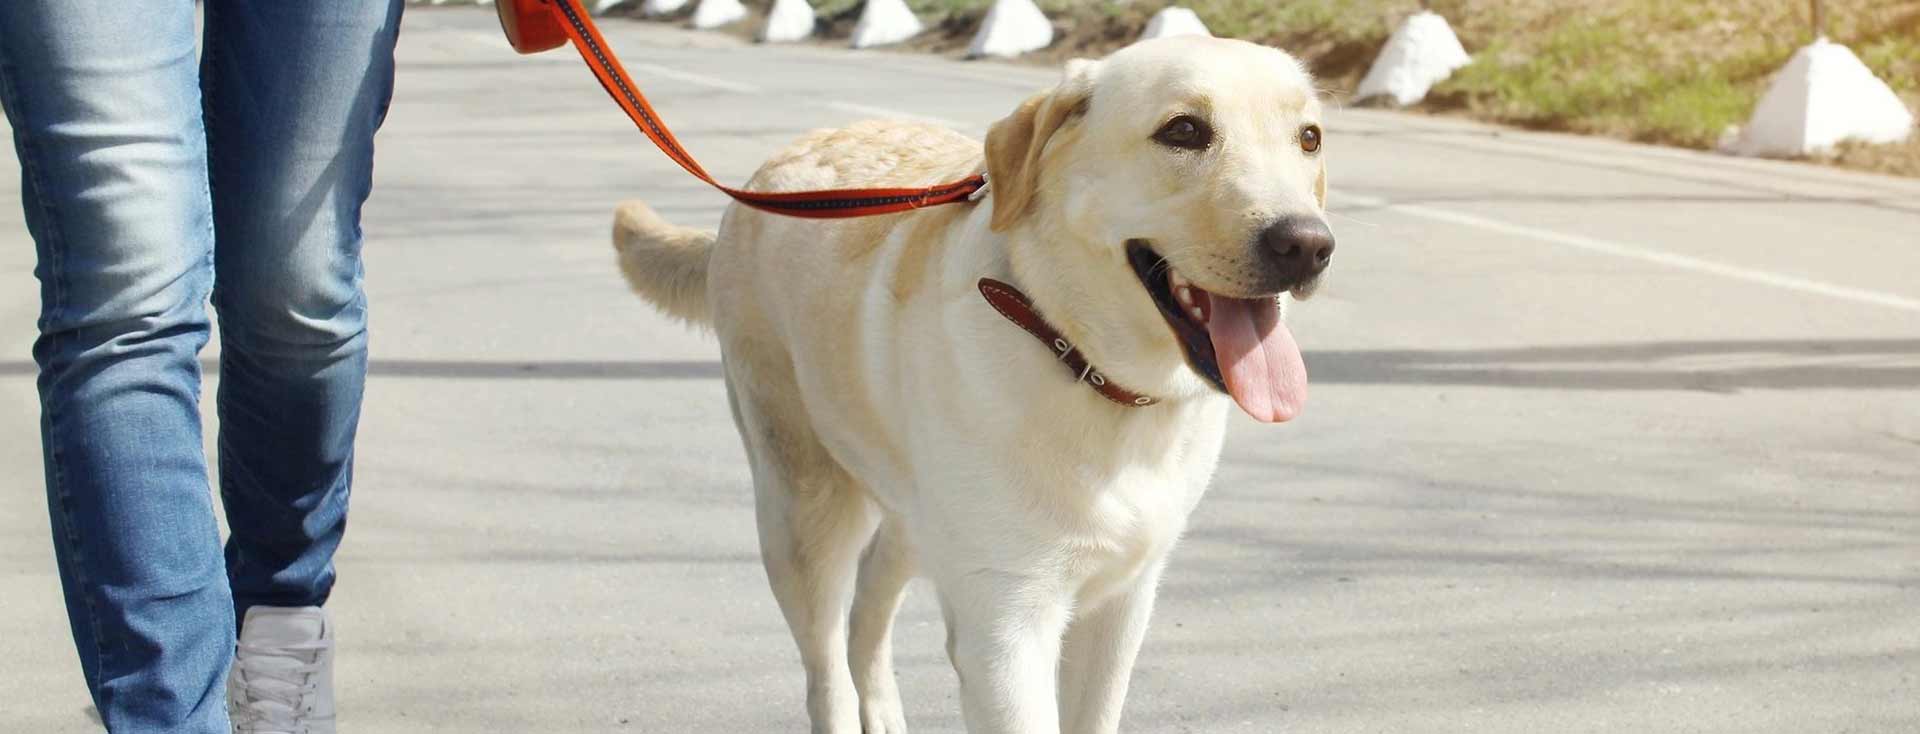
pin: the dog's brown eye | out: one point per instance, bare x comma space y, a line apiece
1310, 138
1185, 131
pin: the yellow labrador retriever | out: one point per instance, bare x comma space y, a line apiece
1021, 398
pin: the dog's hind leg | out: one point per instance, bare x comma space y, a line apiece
813, 522
884, 572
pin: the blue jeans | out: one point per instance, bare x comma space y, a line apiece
155, 180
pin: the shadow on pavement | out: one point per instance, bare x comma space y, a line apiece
498, 370
490, 370
1714, 366
1405, 197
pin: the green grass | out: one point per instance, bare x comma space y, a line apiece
1679, 73
1608, 74
1335, 20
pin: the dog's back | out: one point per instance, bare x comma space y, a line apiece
672, 266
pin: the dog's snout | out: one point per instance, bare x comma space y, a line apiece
1301, 246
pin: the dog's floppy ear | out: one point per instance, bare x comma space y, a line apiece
1014, 144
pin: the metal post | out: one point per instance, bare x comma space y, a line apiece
1819, 20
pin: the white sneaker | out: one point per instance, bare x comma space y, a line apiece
282, 677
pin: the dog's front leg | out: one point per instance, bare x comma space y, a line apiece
1003, 635
1098, 658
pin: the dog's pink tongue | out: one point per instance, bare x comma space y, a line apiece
1258, 358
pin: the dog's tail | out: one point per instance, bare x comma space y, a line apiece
664, 263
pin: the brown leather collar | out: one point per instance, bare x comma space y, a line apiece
1014, 305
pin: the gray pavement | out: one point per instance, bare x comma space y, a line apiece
1603, 438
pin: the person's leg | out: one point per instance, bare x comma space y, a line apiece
102, 96
294, 90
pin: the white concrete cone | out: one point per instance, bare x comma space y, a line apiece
1171, 22
790, 20
885, 22
1822, 97
1421, 52
712, 14
662, 7
1012, 27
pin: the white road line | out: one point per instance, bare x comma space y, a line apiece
1634, 252
728, 85
868, 110
493, 41
496, 41
1028, 79
699, 79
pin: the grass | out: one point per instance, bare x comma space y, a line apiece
1678, 73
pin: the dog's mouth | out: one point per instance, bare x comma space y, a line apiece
1239, 345
1176, 299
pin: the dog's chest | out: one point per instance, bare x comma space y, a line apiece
1115, 500
1123, 526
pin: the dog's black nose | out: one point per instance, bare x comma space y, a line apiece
1301, 246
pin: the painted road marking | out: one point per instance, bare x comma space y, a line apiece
1645, 254
871, 111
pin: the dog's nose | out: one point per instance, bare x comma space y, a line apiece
1301, 246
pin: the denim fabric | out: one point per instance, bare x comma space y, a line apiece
156, 178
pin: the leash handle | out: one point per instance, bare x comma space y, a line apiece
530, 25
533, 26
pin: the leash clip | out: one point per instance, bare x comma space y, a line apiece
986, 186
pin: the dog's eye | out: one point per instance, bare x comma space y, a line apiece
1185, 131
1310, 138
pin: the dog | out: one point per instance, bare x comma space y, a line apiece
898, 381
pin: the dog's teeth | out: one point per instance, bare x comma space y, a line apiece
1198, 315
1185, 295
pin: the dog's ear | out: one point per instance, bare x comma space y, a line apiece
1015, 144
1320, 185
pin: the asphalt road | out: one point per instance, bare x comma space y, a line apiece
1603, 438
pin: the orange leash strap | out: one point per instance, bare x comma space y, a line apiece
530, 26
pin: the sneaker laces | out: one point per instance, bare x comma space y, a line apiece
275, 681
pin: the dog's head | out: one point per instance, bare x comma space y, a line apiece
1159, 202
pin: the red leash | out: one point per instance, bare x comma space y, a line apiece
533, 26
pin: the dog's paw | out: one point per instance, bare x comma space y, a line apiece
882, 716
